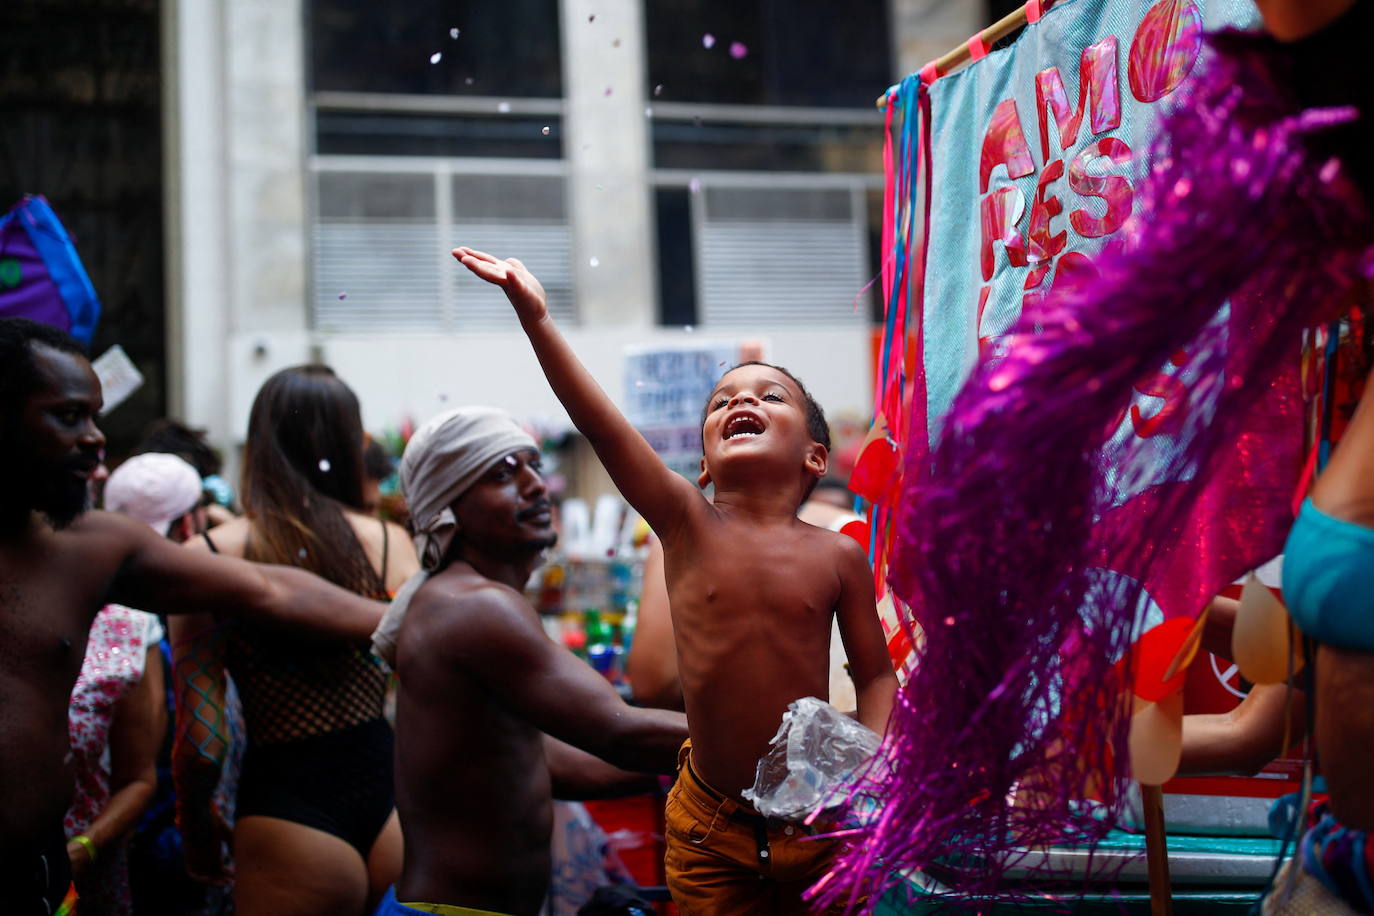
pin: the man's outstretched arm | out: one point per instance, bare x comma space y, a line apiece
641, 476
161, 577
579, 776
496, 638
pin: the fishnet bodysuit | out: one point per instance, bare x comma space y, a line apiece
295, 688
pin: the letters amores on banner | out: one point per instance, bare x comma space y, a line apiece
985, 271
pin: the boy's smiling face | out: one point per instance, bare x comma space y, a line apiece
758, 412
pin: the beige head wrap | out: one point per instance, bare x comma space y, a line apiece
443, 459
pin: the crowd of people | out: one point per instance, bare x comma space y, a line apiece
278, 606
276, 631
269, 616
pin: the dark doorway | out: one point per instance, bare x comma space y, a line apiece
81, 123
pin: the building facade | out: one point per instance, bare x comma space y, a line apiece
672, 171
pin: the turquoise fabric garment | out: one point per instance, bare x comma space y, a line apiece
1328, 579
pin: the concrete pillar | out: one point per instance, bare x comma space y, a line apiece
607, 147
237, 207
196, 218
267, 164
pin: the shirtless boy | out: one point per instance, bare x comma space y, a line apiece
482, 687
752, 591
58, 566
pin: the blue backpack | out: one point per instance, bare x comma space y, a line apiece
41, 276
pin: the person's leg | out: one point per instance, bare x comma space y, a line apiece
706, 881
798, 861
384, 861
287, 869
712, 856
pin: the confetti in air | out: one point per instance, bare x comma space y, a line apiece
694, 185
325, 465
594, 261
592, 18
452, 33
343, 296
436, 57
658, 90
545, 131
648, 112
503, 107
738, 50
468, 81
616, 43
608, 90
708, 40
301, 553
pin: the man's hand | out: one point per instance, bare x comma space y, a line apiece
203, 849
522, 289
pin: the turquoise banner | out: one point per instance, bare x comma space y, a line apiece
1036, 151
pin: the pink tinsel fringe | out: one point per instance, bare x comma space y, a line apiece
1000, 543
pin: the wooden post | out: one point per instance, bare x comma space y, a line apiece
1157, 851
959, 56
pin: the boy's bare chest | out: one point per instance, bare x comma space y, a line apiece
739, 581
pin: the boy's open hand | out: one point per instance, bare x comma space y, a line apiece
522, 289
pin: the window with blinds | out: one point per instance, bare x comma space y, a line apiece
382, 242
781, 256
375, 245
520, 216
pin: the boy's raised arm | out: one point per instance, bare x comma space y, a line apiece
643, 479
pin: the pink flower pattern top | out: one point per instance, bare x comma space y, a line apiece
115, 657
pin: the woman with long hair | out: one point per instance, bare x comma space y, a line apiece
315, 832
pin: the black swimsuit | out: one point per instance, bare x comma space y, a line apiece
320, 752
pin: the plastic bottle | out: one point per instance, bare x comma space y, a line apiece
600, 645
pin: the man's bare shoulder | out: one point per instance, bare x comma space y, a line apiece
461, 617
107, 533
77, 563
460, 600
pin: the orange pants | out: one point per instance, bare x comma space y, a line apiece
724, 858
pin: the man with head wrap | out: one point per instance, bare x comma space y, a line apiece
486, 700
